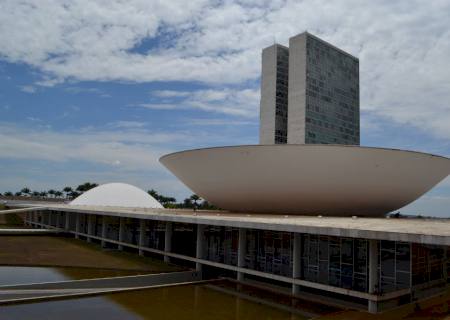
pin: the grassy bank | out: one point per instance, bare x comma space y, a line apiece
10, 220
70, 252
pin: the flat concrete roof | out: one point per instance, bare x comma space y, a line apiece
418, 230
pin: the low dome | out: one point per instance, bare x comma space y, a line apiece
116, 195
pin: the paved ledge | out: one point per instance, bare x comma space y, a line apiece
425, 231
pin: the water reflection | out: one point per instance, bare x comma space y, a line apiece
10, 275
180, 302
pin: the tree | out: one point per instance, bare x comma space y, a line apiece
51, 192
25, 191
35, 193
86, 186
187, 203
8, 194
18, 194
74, 194
67, 191
58, 194
154, 194
43, 194
166, 201
194, 199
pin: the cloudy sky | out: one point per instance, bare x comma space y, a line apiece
98, 90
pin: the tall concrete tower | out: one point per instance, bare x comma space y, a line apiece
323, 94
274, 95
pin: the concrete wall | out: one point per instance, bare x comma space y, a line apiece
268, 95
297, 89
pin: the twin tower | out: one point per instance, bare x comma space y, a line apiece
309, 94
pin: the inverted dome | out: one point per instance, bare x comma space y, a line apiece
308, 179
116, 195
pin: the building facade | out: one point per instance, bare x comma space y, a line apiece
322, 104
370, 269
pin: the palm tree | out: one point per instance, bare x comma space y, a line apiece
67, 191
187, 203
154, 194
26, 191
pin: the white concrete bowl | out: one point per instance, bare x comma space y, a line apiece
308, 179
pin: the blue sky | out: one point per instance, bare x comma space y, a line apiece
98, 91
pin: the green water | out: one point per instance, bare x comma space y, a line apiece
180, 302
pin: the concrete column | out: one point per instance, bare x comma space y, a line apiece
77, 224
104, 228
27, 219
48, 213
90, 230
57, 219
121, 232
373, 274
297, 261
241, 252
67, 223
168, 240
41, 215
141, 236
200, 249
446, 261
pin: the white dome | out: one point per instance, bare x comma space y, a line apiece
116, 195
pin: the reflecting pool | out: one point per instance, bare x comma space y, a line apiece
178, 302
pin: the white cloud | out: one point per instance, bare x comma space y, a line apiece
132, 149
28, 89
236, 102
127, 124
77, 90
403, 46
218, 122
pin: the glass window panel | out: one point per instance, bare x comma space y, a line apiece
347, 251
387, 245
360, 256
403, 280
387, 263
360, 282
335, 257
403, 257
387, 284
313, 257
346, 282
323, 248
335, 278
323, 272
